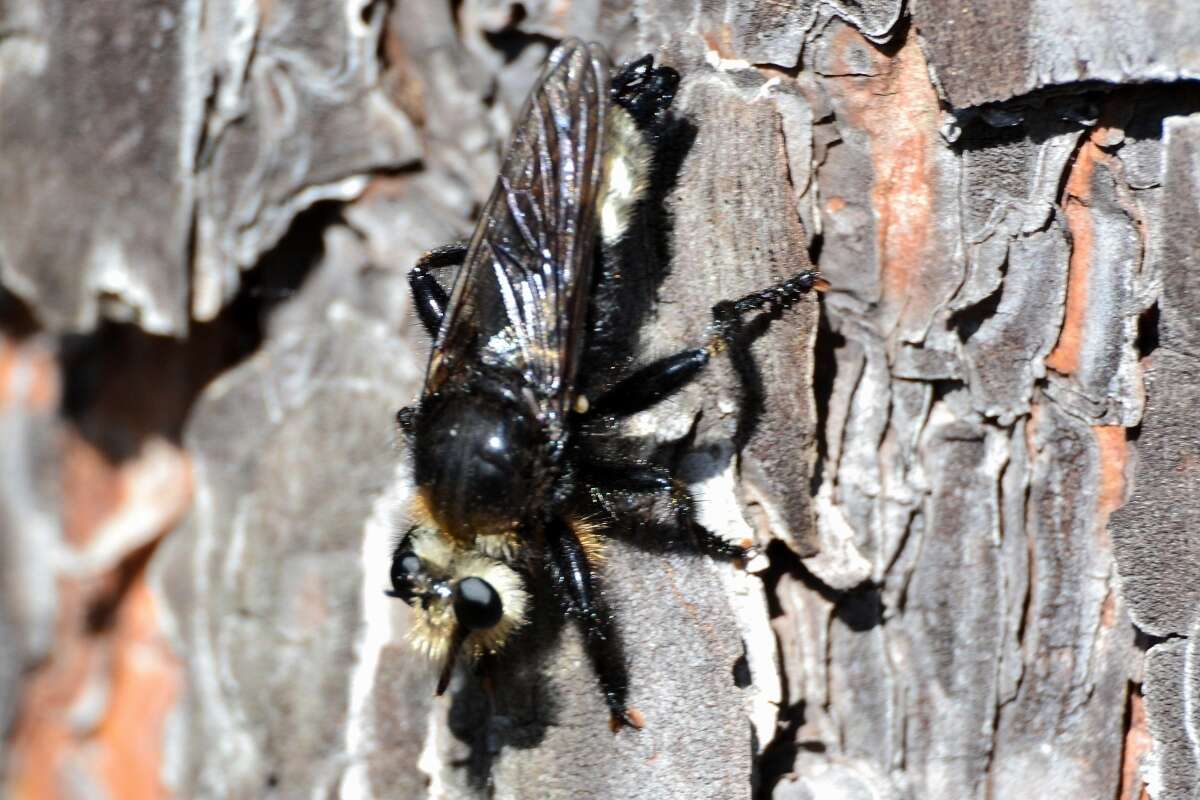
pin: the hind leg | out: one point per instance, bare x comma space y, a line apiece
654, 481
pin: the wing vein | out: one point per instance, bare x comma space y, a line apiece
520, 302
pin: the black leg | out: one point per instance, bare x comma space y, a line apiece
662, 378
645, 91
428, 294
650, 479
734, 335
406, 419
728, 313
654, 382
579, 592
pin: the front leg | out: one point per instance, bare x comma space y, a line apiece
428, 295
579, 592
652, 383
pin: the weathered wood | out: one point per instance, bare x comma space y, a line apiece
178, 146
983, 53
96, 184
973, 468
265, 585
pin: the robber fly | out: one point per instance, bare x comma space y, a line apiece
505, 479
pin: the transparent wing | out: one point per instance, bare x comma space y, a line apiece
519, 304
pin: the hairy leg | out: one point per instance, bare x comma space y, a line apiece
579, 592
662, 378
655, 481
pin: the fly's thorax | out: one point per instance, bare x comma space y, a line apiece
461, 597
627, 163
477, 464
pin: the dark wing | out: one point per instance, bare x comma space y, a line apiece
519, 304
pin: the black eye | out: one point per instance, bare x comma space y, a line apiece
476, 604
405, 568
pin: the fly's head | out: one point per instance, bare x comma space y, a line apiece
466, 600
475, 481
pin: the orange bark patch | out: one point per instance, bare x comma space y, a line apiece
92, 488
1064, 358
132, 501
53, 711
146, 683
1137, 744
897, 108
97, 711
93, 714
1113, 450
721, 41
8, 357
403, 81
28, 376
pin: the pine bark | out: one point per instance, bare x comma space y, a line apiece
972, 467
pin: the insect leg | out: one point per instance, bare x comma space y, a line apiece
644, 90
579, 592
727, 314
406, 419
650, 384
650, 479
662, 378
428, 294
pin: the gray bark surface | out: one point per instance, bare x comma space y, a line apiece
974, 471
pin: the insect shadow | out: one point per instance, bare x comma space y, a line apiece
488, 715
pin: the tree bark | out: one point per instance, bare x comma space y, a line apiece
972, 468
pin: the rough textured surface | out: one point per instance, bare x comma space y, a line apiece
1177, 246
297, 114
972, 468
776, 33
1171, 693
96, 187
547, 736
733, 166
182, 141
986, 52
265, 584
1154, 533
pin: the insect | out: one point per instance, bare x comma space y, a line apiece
507, 454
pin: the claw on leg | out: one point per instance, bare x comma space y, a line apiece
626, 718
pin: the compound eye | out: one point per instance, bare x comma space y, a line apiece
476, 604
405, 569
